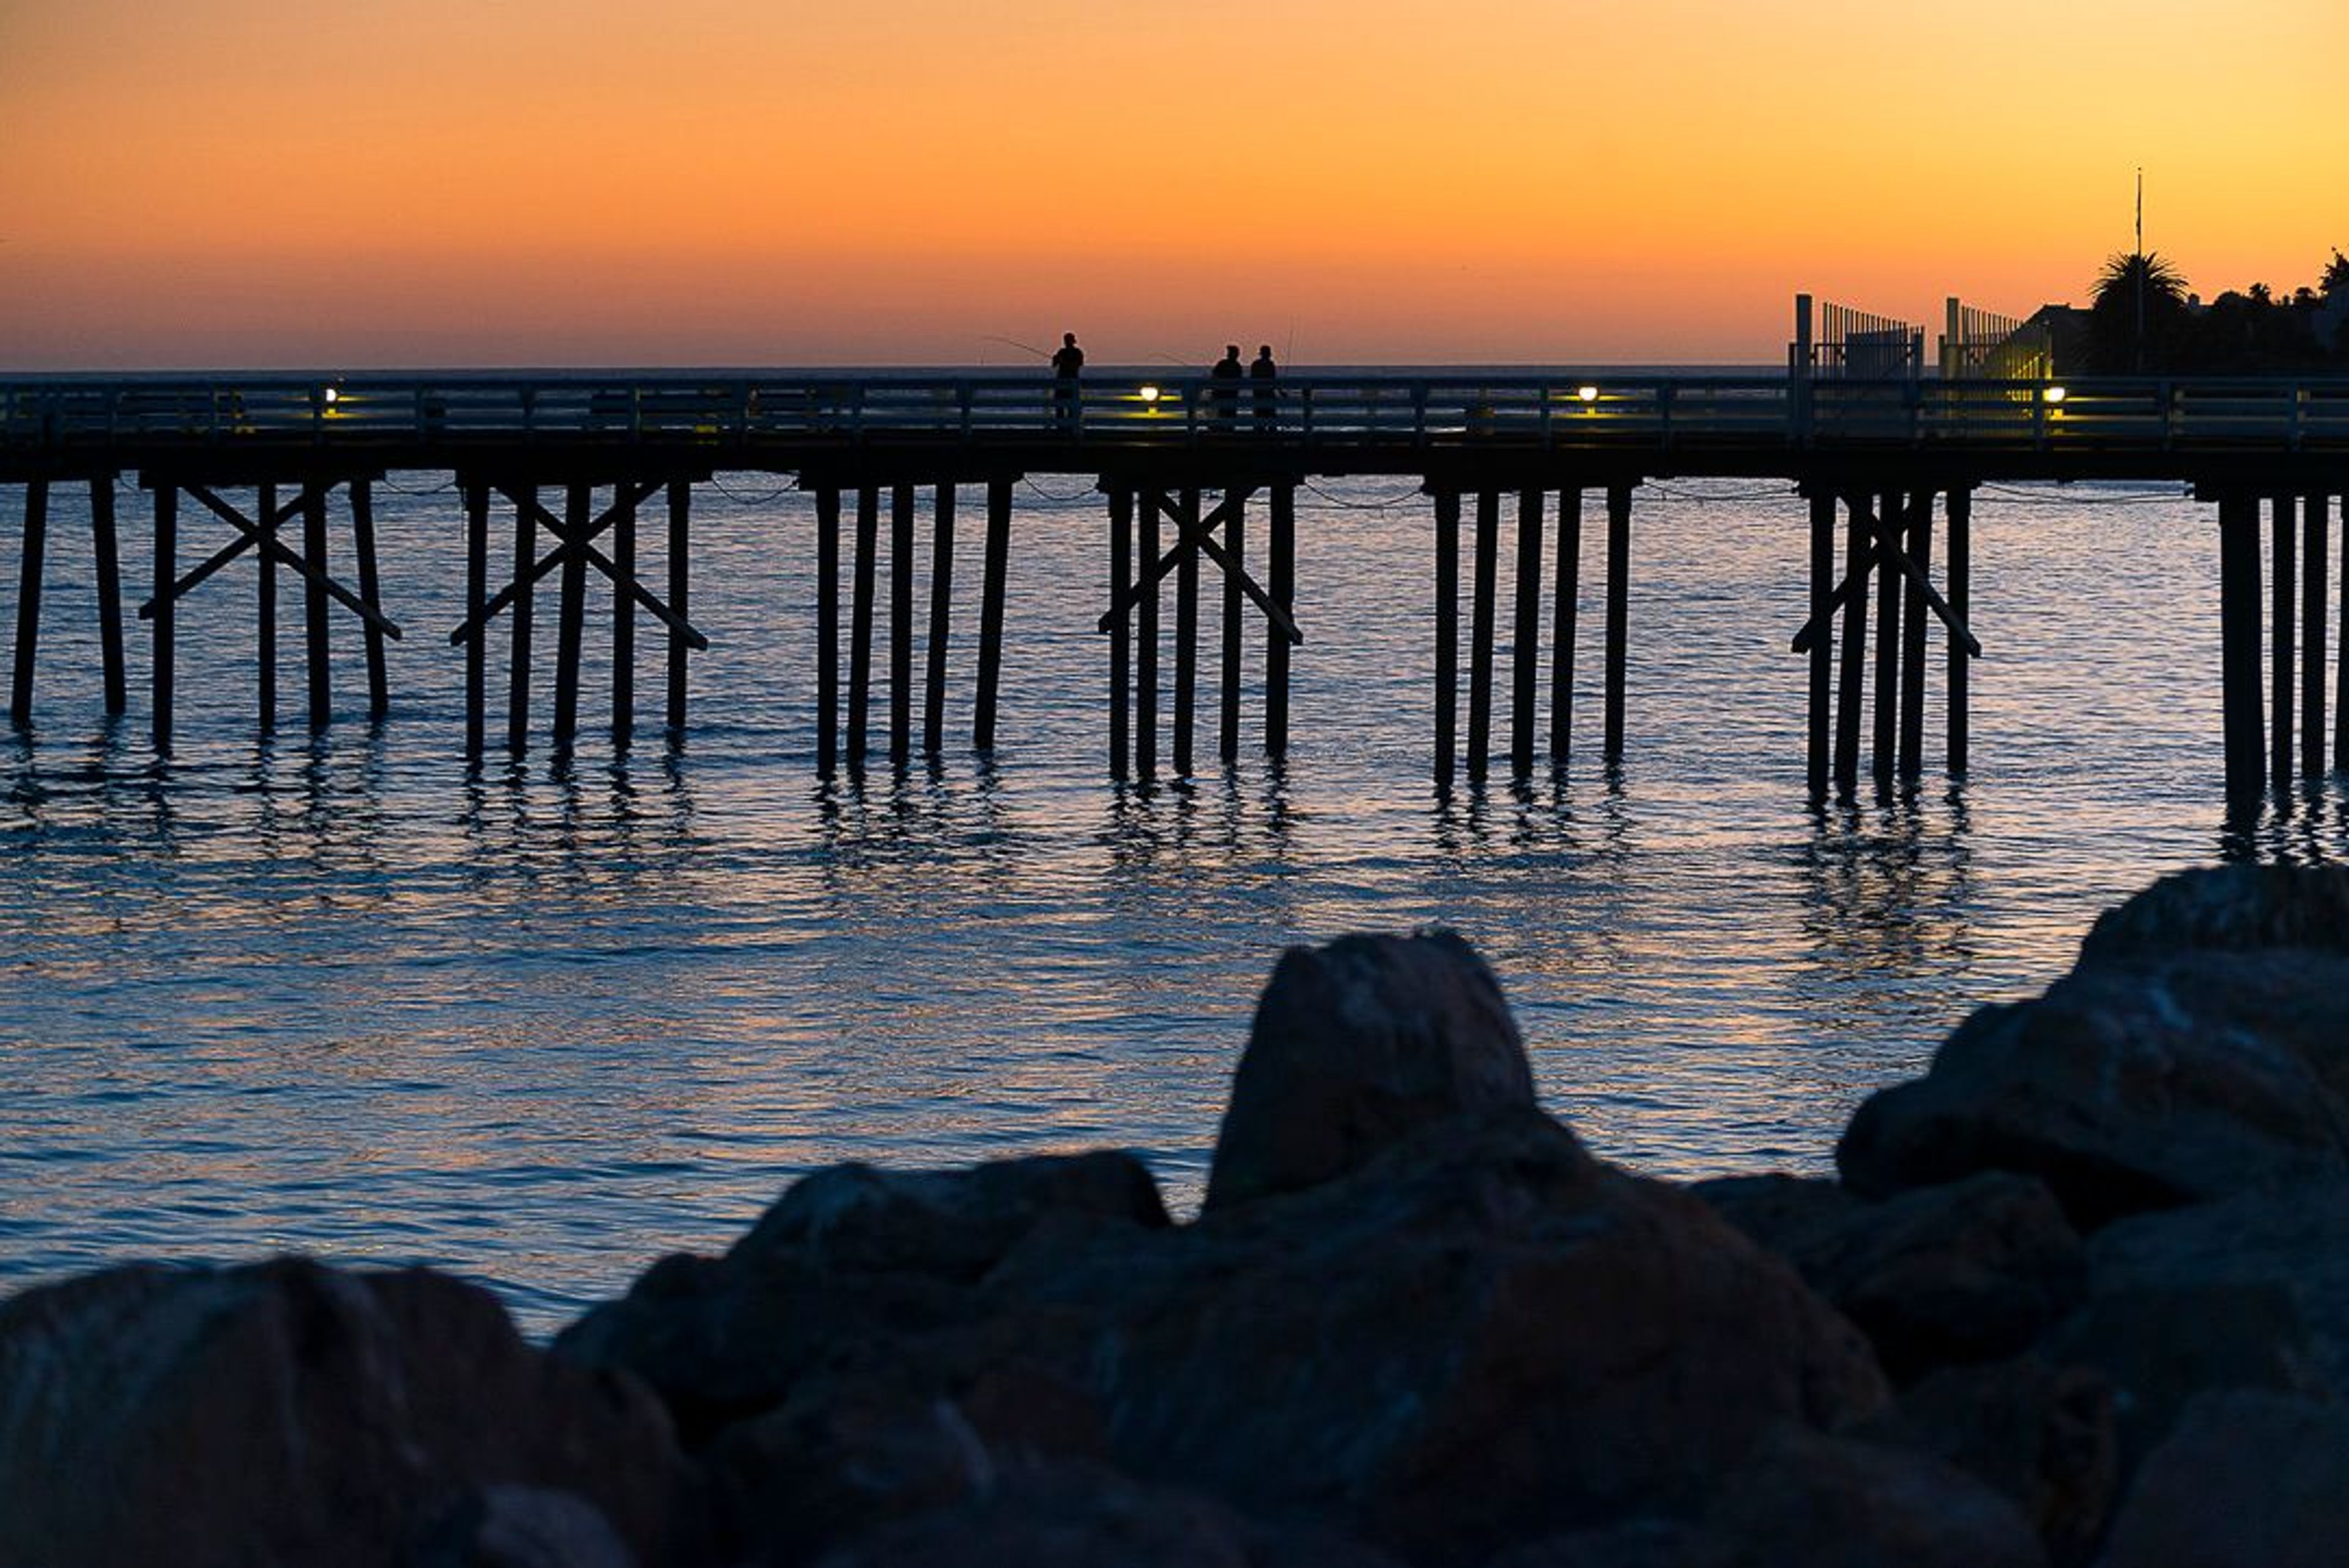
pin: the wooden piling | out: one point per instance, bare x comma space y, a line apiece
1228, 729
1447, 634
1120, 634
108, 558
680, 586
477, 591
827, 630
526, 501
1859, 560
901, 623
2238, 642
990, 612
860, 620
1822, 649
2282, 644
1525, 636
1619, 605
264, 608
167, 533
1912, 638
1890, 534
1482, 613
1563, 627
570, 614
317, 629
362, 492
31, 568
1281, 570
1146, 639
1187, 635
942, 548
2313, 562
624, 612
1959, 574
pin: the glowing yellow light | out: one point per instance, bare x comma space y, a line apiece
2052, 394
1150, 394
1587, 394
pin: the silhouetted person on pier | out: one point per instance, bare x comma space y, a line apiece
1262, 373
1226, 375
1066, 364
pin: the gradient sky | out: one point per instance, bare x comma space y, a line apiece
350, 183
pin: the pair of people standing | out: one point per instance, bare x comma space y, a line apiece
1263, 372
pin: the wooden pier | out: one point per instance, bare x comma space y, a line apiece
1197, 496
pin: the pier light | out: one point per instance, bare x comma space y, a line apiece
2052, 395
330, 396
1150, 392
1587, 392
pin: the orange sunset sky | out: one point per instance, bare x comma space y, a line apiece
357, 183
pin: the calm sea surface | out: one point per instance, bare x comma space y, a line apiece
539, 1024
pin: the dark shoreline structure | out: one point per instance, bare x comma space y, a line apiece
2081, 1296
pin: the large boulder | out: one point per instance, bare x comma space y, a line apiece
2040, 1435
1354, 1045
1971, 1270
1480, 1336
287, 1412
850, 1265
2199, 1048
2248, 1481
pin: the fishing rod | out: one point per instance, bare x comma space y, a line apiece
1015, 342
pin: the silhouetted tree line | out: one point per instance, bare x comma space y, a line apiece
2142, 321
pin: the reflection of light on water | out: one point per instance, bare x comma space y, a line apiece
544, 1022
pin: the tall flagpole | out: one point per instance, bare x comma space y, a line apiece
2142, 267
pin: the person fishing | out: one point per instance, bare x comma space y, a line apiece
1066, 365
1263, 372
1226, 375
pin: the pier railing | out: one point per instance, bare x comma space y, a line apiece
777, 414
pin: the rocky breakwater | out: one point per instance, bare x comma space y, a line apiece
2081, 1295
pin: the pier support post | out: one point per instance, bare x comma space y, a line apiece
31, 567
1281, 570
623, 615
571, 614
901, 623
1228, 729
2239, 638
1891, 536
860, 621
1920, 546
1859, 560
264, 608
1482, 608
362, 491
990, 612
680, 585
1145, 641
1120, 634
1187, 635
316, 630
1563, 627
2313, 575
167, 534
1822, 650
1525, 636
827, 631
1960, 575
1619, 602
942, 550
522, 611
109, 562
1447, 636
477, 591
2282, 644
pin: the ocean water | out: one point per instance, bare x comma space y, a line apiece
542, 1022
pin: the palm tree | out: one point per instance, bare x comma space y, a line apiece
2138, 312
